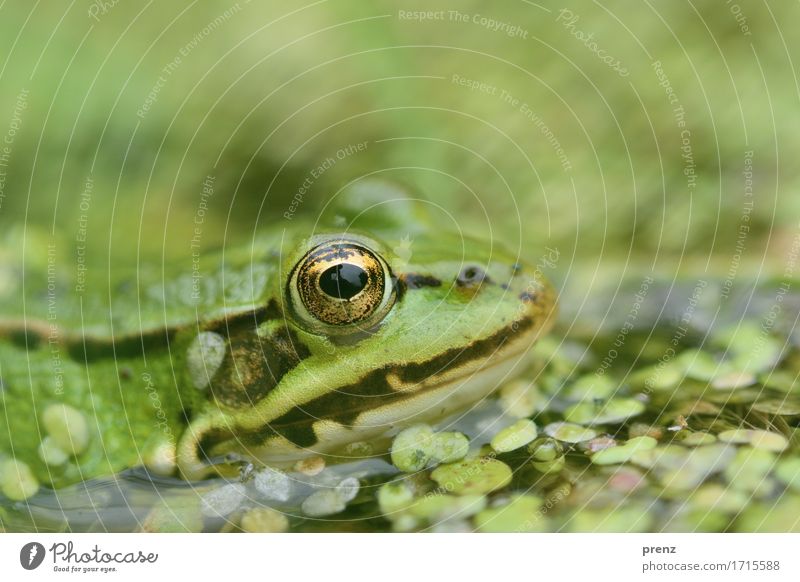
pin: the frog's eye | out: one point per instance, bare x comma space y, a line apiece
340, 285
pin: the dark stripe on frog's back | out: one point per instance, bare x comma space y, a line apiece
346, 404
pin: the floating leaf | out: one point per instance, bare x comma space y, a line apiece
515, 436
411, 448
569, 432
749, 469
590, 387
623, 453
778, 407
474, 476
613, 411
787, 472
758, 439
521, 514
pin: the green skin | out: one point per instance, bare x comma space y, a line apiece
278, 388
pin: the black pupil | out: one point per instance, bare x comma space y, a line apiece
343, 281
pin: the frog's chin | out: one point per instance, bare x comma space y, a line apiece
433, 400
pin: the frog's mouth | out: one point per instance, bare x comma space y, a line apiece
454, 380
388, 399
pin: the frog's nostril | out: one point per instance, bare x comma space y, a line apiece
471, 276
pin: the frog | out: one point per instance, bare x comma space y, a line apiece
322, 332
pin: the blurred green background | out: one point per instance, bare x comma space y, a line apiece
607, 130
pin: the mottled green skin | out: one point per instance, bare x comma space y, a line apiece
123, 340
122, 422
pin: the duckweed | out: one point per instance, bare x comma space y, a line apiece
625, 452
264, 520
734, 380
310, 466
569, 432
749, 469
787, 472
781, 380
222, 501
394, 496
174, 515
204, 357
661, 377
17, 481
475, 476
591, 387
680, 468
698, 365
435, 508
598, 444
547, 455
323, 503
696, 439
545, 449
612, 412
348, 488
520, 398
50, 453
759, 439
515, 436
778, 407
160, 458
779, 516
715, 496
411, 448
67, 426
273, 485
520, 514
630, 517
449, 447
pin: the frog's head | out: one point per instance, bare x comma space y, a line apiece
380, 334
